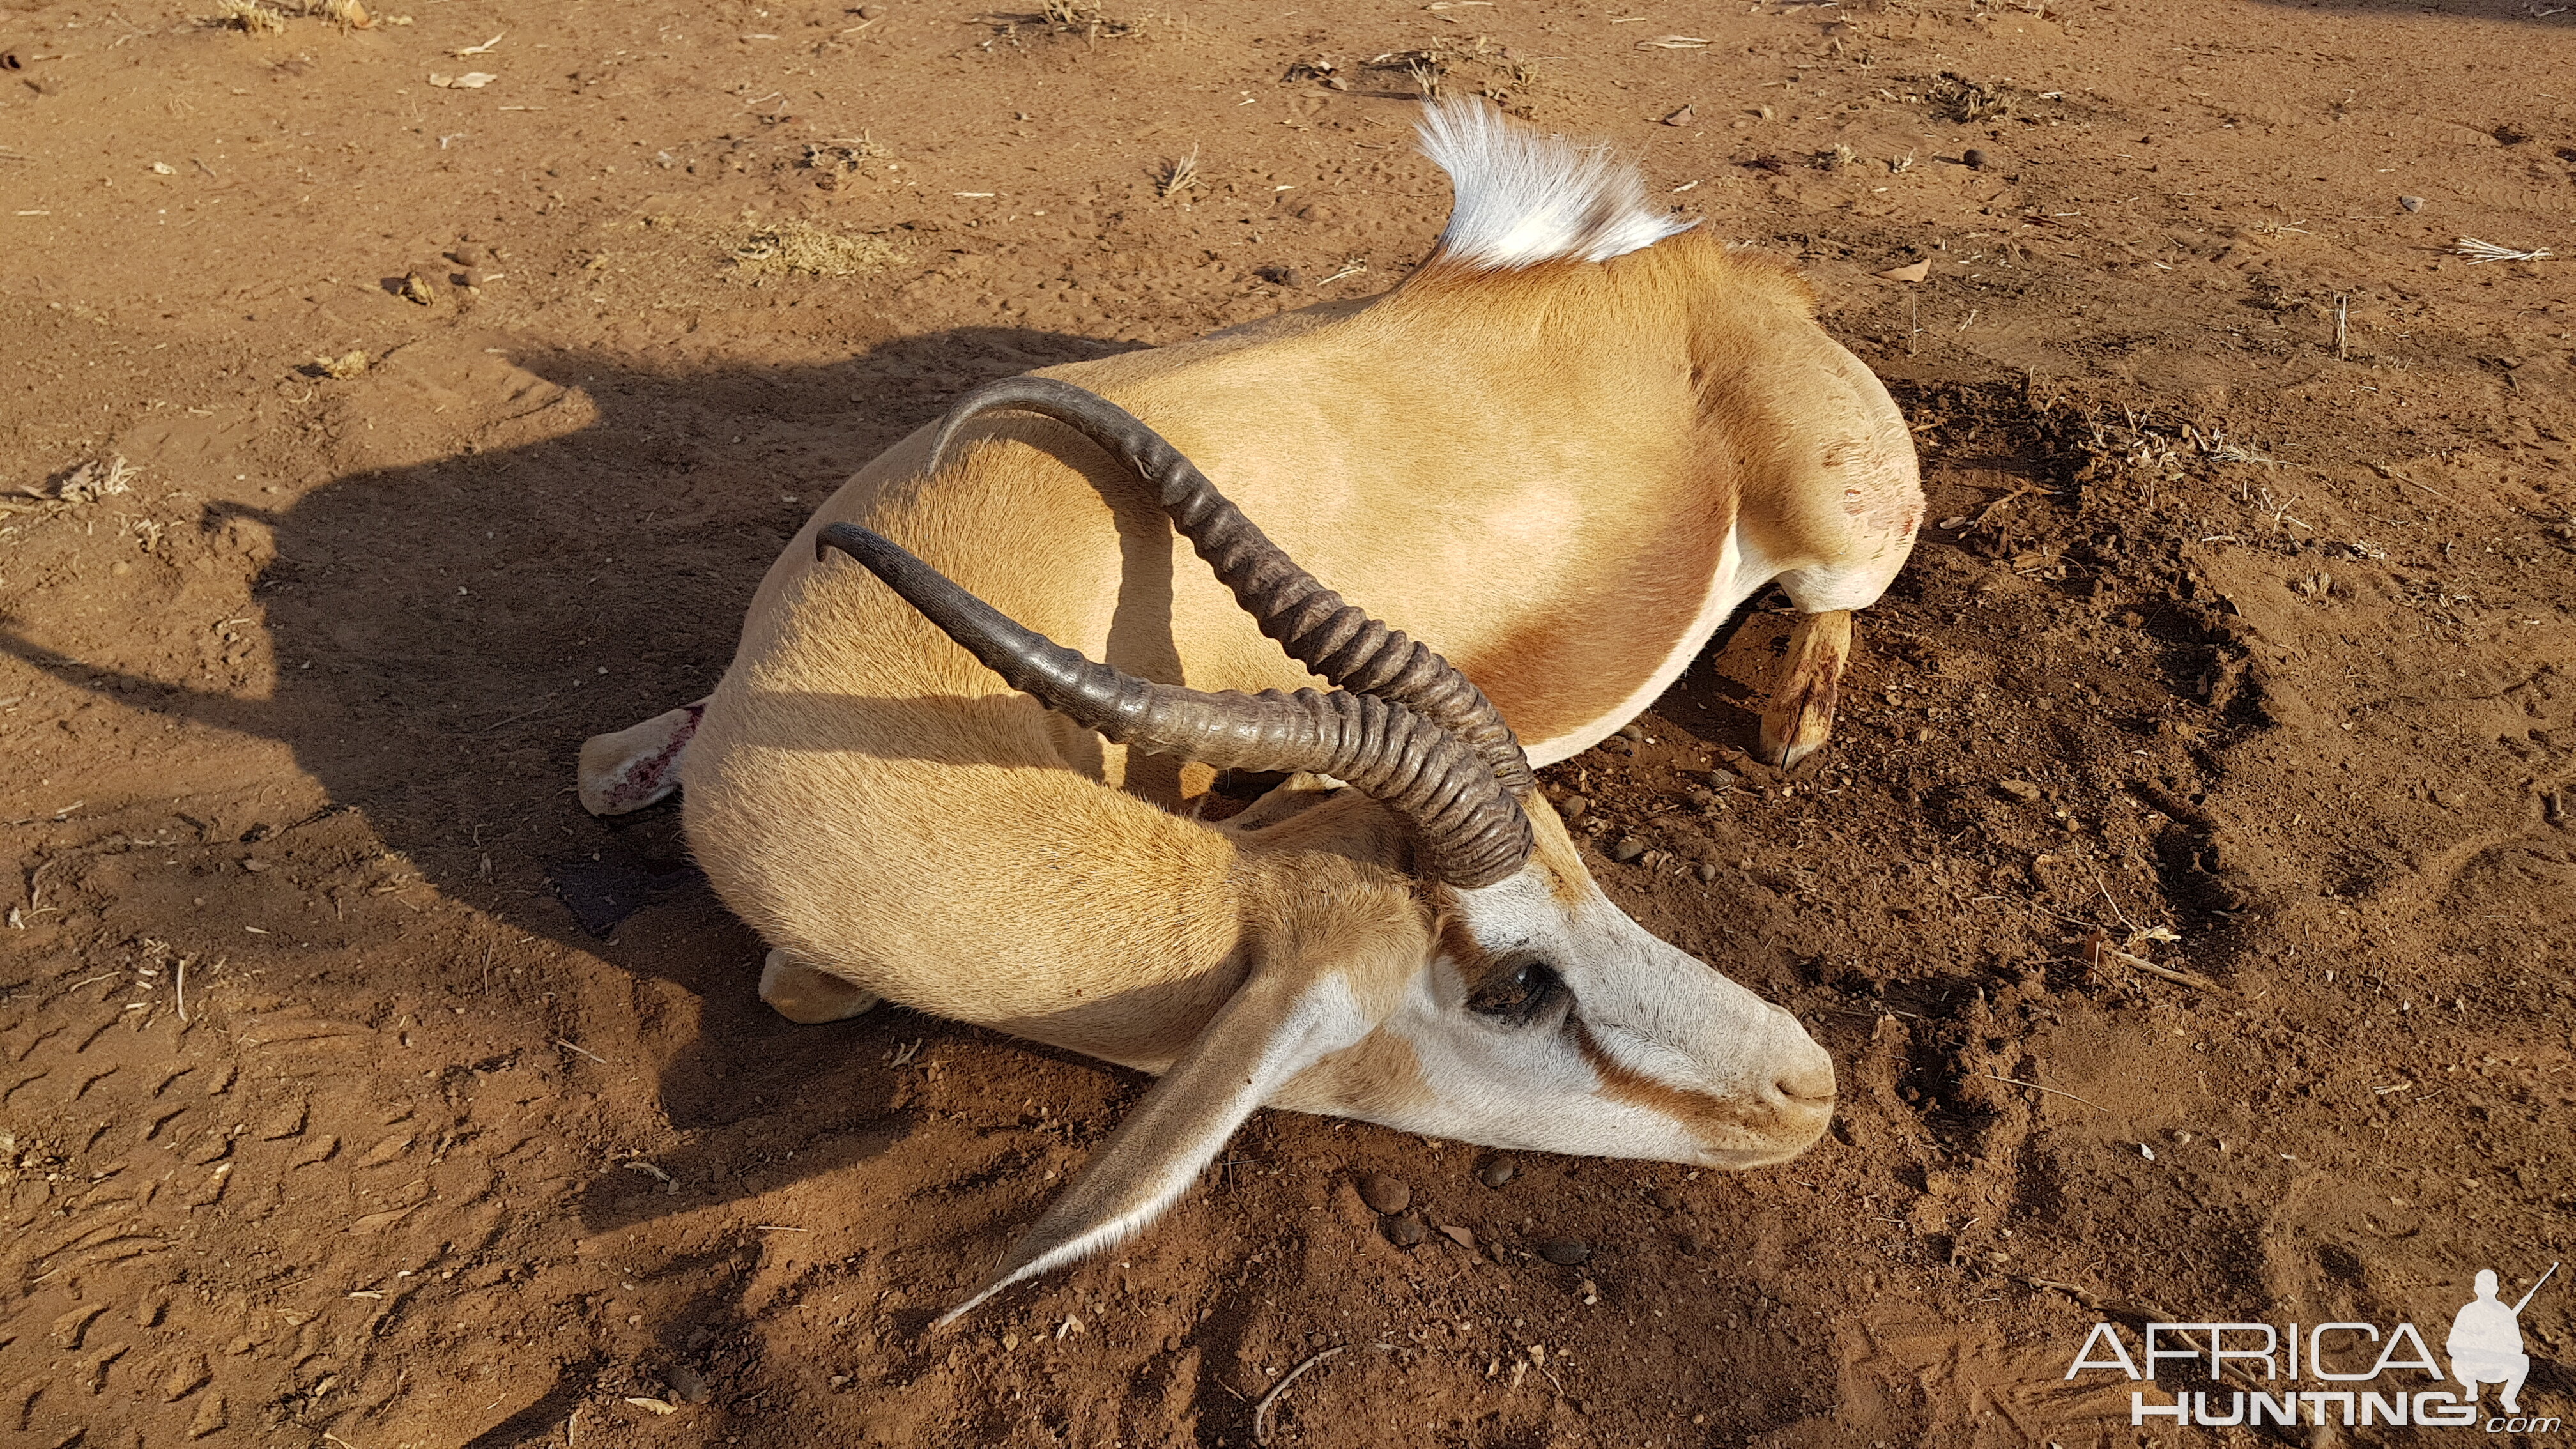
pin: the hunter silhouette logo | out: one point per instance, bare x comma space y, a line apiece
2486, 1341
2485, 1346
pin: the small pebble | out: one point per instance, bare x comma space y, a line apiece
1682, 117
467, 254
1627, 849
1565, 1252
1664, 1197
1404, 1232
1692, 1242
1496, 1172
1385, 1194
1975, 158
1574, 807
1633, 732
1723, 779
475, 277
2021, 790
2411, 203
1704, 872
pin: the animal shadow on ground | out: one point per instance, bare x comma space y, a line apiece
447, 634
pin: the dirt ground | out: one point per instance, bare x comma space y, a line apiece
2189, 898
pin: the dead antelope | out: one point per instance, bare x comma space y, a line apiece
1567, 448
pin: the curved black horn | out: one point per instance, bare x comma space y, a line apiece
1471, 831
1339, 641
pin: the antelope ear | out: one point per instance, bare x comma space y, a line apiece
1278, 1023
637, 765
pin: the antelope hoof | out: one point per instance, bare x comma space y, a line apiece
1801, 714
801, 993
1797, 726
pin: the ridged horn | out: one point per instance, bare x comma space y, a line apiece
1470, 831
1336, 640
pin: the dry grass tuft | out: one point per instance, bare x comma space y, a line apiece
1085, 18
95, 479
801, 246
343, 367
2486, 251
248, 17
1968, 101
1478, 65
1177, 175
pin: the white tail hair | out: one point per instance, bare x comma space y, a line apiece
1526, 198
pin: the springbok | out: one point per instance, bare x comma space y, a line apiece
1567, 448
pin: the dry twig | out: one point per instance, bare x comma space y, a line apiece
2052, 1091
1261, 1411
2098, 949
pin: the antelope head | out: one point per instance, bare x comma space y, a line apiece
1433, 955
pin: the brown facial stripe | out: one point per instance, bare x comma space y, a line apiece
1706, 1114
1474, 963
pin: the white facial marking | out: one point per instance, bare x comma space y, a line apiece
1644, 1052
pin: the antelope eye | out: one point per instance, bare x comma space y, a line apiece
1517, 993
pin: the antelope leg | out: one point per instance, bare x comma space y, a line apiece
809, 994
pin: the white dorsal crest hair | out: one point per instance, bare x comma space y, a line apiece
1525, 198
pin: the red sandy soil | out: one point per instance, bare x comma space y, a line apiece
2270, 610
